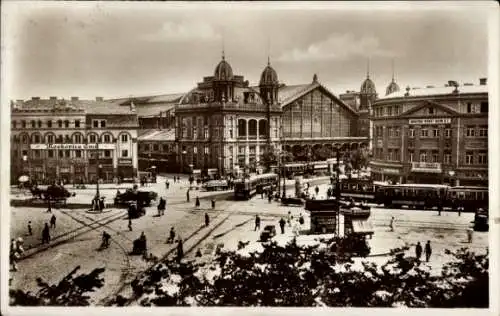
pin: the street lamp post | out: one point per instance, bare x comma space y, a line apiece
183, 156
337, 191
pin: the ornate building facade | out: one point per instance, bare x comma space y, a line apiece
227, 124
432, 135
56, 139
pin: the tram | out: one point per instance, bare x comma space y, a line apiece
359, 189
246, 188
411, 195
469, 198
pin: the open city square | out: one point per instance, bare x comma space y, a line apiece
283, 160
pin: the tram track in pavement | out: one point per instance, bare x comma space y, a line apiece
68, 236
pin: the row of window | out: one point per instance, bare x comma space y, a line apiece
395, 110
387, 111
470, 157
470, 131
156, 147
36, 153
38, 124
77, 139
59, 124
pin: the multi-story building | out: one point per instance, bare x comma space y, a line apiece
157, 148
432, 135
73, 140
227, 124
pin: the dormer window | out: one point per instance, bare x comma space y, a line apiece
431, 110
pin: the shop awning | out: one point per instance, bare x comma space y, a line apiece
362, 227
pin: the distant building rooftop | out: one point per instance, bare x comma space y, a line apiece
157, 135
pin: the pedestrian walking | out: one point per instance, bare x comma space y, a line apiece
418, 251
30, 231
49, 210
53, 221
180, 250
301, 220
130, 224
428, 250
213, 203
270, 197
257, 222
46, 234
316, 190
207, 220
171, 237
459, 210
16, 249
440, 208
167, 184
470, 232
289, 219
187, 195
282, 225
391, 224
197, 203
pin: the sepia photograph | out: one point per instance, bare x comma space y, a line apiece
224, 154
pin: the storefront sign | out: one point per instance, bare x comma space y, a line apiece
73, 146
124, 161
390, 171
433, 167
433, 121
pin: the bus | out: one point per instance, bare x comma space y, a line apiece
411, 195
469, 198
246, 188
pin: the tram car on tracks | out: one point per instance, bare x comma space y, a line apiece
469, 198
246, 188
412, 195
359, 189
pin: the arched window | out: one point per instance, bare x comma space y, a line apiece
24, 139
242, 127
252, 128
59, 123
92, 138
23, 124
78, 138
66, 124
49, 124
107, 138
263, 127
39, 123
33, 124
50, 138
14, 124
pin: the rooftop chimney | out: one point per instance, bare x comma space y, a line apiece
99, 99
452, 83
132, 106
483, 81
74, 98
35, 98
53, 98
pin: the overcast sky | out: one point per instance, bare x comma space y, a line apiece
120, 49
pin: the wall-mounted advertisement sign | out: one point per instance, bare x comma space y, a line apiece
433, 121
73, 146
124, 161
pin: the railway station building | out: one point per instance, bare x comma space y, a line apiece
73, 140
432, 135
226, 124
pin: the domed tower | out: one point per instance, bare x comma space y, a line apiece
393, 86
223, 81
367, 92
269, 84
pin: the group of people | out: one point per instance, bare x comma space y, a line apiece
427, 251
98, 203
